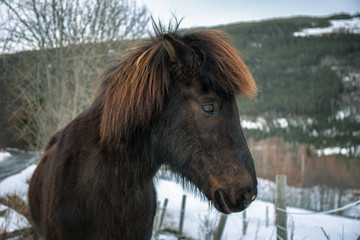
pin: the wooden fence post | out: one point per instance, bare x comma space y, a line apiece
182, 216
244, 223
221, 226
267, 216
158, 226
156, 219
281, 219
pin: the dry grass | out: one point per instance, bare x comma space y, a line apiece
16, 203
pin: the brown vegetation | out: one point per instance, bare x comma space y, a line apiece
14, 202
303, 167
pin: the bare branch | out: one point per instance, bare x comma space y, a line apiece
59, 23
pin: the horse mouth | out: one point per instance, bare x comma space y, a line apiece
220, 202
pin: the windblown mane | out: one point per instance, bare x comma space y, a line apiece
134, 89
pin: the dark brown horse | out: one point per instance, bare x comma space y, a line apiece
169, 101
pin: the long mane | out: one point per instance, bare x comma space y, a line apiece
134, 89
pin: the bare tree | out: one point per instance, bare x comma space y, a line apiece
42, 24
72, 40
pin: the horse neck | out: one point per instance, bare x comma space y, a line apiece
133, 162
130, 161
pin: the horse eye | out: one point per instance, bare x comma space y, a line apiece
209, 108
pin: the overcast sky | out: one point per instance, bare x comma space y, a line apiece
216, 12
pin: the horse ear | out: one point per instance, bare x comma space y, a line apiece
176, 49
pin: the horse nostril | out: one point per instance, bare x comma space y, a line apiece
245, 197
228, 201
253, 198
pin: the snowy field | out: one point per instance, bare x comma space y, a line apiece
305, 225
337, 26
302, 224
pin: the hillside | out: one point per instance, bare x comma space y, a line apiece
298, 71
308, 71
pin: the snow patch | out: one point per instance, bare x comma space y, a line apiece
12, 220
281, 122
340, 115
251, 125
260, 123
333, 150
337, 26
17, 183
4, 155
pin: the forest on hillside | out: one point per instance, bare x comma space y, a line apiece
291, 69
301, 78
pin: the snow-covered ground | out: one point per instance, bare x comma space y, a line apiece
315, 198
17, 183
4, 155
12, 220
14, 184
337, 26
302, 226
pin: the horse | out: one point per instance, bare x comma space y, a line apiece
169, 101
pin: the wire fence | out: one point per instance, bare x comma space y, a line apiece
224, 218
282, 213
283, 229
350, 205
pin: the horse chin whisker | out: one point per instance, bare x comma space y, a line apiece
187, 185
221, 202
